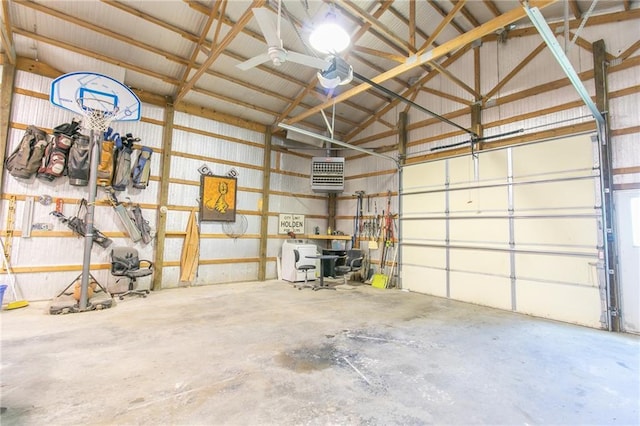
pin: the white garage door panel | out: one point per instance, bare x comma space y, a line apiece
419, 175
482, 289
493, 165
557, 231
425, 280
527, 243
555, 156
480, 261
493, 231
578, 305
568, 194
460, 170
479, 200
433, 229
424, 256
428, 203
562, 269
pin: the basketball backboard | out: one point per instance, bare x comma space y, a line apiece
79, 91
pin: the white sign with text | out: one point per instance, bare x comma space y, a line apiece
288, 222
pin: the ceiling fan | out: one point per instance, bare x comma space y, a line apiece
276, 53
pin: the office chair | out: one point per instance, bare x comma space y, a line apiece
126, 264
305, 268
353, 263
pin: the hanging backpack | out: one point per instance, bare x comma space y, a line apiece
122, 170
79, 161
142, 169
107, 160
27, 157
54, 162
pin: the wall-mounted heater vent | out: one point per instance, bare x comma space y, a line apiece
327, 174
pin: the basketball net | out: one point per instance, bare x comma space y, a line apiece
98, 119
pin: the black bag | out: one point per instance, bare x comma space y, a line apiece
27, 157
79, 161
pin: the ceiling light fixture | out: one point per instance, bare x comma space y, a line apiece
338, 73
329, 36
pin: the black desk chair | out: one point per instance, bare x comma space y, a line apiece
353, 263
305, 268
126, 264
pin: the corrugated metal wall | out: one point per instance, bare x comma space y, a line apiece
43, 270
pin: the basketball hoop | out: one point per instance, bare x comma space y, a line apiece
101, 100
98, 119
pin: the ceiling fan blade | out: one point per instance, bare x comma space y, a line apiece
267, 21
253, 62
310, 61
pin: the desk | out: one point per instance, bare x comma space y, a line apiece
328, 238
322, 257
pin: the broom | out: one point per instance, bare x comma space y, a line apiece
16, 304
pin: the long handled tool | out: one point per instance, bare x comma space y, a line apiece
17, 303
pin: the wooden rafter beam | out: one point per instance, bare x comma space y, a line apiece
203, 36
132, 11
217, 50
415, 87
465, 12
588, 46
477, 70
6, 34
405, 21
125, 38
441, 26
432, 55
357, 56
449, 75
514, 72
630, 50
93, 54
373, 21
492, 7
575, 8
412, 24
446, 96
594, 20
379, 54
441, 11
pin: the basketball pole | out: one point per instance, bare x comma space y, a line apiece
96, 141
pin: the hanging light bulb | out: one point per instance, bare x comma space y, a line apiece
329, 36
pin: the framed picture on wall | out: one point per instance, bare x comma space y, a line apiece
218, 198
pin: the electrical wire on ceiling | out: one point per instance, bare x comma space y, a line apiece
413, 104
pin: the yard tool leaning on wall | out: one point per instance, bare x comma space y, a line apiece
190, 250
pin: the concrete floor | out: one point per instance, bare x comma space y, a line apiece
265, 353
